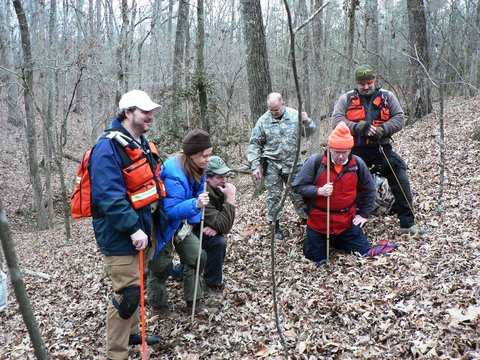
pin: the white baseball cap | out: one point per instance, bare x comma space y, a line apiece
139, 99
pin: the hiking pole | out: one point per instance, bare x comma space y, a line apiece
398, 181
142, 309
197, 273
328, 205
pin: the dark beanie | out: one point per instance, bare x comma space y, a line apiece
195, 141
364, 73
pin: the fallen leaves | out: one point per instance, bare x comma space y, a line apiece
420, 301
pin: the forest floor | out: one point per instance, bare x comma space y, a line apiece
421, 301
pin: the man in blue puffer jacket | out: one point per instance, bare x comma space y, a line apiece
122, 224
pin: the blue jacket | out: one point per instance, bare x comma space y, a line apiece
109, 197
180, 203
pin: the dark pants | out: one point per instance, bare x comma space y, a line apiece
377, 163
351, 240
215, 247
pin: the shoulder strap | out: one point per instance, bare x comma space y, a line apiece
317, 163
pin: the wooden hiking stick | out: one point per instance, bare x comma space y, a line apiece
328, 205
197, 272
142, 309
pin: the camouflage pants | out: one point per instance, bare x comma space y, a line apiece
274, 183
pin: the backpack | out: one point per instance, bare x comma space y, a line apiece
80, 199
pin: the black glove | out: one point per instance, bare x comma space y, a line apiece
361, 128
379, 132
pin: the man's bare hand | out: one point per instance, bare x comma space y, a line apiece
256, 174
325, 190
139, 239
207, 230
229, 190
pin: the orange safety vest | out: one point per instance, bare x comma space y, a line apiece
140, 175
378, 114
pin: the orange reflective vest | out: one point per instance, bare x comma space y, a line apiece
140, 173
376, 115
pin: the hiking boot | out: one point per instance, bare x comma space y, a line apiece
200, 308
218, 289
320, 262
177, 272
136, 339
413, 230
162, 312
278, 231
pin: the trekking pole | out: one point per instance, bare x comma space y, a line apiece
197, 273
328, 205
398, 181
142, 309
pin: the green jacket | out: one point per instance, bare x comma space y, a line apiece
219, 214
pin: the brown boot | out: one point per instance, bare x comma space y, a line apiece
162, 312
200, 308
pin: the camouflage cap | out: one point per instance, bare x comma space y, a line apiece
364, 73
216, 165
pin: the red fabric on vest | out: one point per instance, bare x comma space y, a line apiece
343, 196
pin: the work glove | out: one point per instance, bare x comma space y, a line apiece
361, 128
379, 132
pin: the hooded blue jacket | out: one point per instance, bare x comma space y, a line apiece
180, 203
109, 197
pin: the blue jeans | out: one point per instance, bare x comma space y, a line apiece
351, 240
215, 247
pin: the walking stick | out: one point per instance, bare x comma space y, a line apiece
197, 273
142, 309
328, 205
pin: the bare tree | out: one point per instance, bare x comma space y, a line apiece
420, 91
17, 282
351, 34
372, 32
179, 51
27, 78
201, 74
48, 112
7, 55
259, 82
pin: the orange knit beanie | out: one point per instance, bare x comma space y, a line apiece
340, 138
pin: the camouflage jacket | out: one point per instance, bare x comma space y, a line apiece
276, 140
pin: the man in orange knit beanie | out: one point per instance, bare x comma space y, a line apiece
349, 176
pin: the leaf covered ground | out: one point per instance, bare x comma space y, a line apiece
422, 301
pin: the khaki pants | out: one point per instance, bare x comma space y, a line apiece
123, 272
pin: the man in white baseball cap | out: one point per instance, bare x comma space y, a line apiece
139, 99
136, 112
122, 203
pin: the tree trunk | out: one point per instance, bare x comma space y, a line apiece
7, 59
35, 179
201, 75
420, 92
351, 35
179, 54
259, 82
318, 73
16, 276
48, 140
123, 53
372, 31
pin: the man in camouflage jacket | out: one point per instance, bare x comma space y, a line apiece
273, 144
